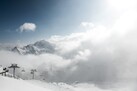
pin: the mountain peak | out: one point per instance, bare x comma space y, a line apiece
37, 48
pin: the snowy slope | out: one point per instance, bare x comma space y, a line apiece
78, 87
10, 84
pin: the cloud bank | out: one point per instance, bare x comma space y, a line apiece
27, 27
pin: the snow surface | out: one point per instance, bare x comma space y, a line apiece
10, 84
82, 86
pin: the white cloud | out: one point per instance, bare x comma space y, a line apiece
100, 53
87, 25
27, 27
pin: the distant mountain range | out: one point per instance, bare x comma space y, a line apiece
37, 48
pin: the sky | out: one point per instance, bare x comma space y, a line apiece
50, 17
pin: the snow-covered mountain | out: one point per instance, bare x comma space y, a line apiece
37, 48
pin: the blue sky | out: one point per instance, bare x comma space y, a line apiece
51, 17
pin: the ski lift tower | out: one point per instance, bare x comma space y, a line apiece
14, 66
33, 72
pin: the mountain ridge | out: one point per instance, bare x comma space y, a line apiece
36, 48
